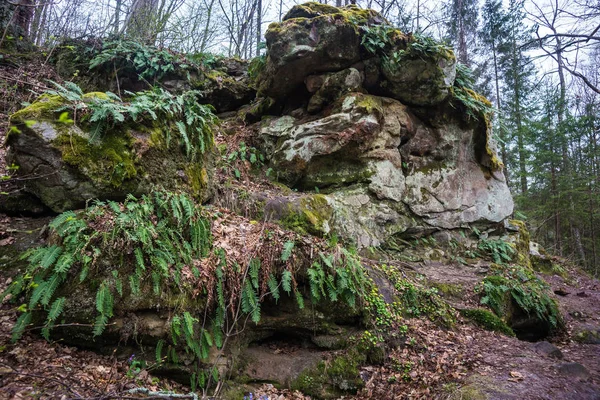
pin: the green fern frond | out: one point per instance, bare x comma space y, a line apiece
22, 322
158, 352
286, 281
287, 251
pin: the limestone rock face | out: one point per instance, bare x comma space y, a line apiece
386, 171
65, 168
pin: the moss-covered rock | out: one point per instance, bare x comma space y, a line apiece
312, 39
487, 320
66, 167
310, 214
333, 378
588, 334
418, 77
523, 301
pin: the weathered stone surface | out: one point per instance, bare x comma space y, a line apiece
312, 39
418, 80
588, 334
333, 86
548, 349
574, 370
226, 92
374, 157
66, 169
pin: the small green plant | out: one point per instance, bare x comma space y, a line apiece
377, 39
499, 250
414, 301
242, 155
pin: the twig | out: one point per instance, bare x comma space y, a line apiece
65, 385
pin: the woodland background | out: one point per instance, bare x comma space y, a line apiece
536, 60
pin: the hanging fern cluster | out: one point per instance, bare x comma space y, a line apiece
180, 113
477, 107
337, 277
157, 236
148, 62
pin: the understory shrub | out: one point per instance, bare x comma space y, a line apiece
519, 284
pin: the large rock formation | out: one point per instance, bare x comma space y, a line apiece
418, 160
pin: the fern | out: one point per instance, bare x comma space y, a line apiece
51, 254
286, 281
273, 287
55, 310
253, 271
22, 322
521, 286
299, 300
250, 302
158, 352
287, 251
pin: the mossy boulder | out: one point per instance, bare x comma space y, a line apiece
522, 301
487, 320
66, 167
588, 334
226, 92
333, 378
133, 67
311, 39
416, 78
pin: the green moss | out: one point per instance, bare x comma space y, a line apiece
588, 336
350, 14
332, 378
416, 301
95, 95
110, 162
311, 216
197, 179
547, 267
45, 106
522, 241
469, 392
310, 10
487, 320
370, 104
449, 289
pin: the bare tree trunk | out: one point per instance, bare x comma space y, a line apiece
117, 17
142, 21
258, 27
207, 26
